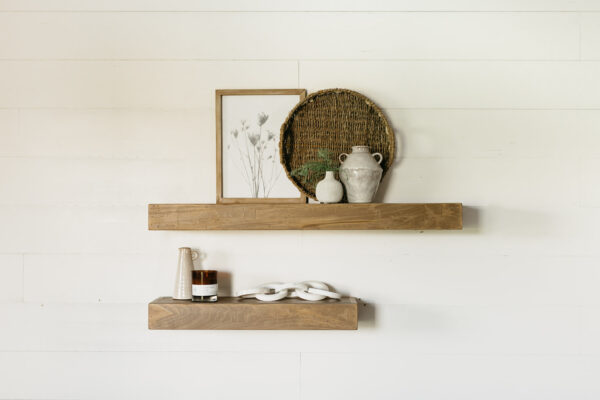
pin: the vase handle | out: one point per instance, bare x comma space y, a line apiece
340, 157
380, 157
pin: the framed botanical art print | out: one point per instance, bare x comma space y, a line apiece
248, 161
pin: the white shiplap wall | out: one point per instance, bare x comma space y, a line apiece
106, 106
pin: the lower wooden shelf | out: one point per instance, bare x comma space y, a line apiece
250, 314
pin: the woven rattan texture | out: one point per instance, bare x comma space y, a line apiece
333, 119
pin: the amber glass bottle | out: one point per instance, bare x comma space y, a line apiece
204, 286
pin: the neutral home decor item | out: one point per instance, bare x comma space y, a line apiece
307, 290
333, 119
313, 171
361, 174
183, 279
248, 167
204, 286
329, 190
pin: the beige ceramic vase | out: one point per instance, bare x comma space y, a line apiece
183, 279
329, 190
360, 173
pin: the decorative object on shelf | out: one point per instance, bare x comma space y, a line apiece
307, 290
329, 190
204, 286
361, 174
314, 171
333, 119
183, 279
248, 148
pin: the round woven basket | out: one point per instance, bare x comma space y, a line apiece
335, 120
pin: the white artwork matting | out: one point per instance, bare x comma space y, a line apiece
251, 165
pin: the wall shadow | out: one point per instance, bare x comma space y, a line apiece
366, 314
471, 219
224, 279
398, 157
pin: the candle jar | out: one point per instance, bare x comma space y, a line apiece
204, 286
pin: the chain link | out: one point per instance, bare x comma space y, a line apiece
307, 290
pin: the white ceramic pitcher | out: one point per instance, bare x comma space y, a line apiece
183, 279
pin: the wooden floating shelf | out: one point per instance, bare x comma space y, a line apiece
370, 216
250, 314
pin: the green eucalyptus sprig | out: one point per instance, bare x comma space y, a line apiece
314, 171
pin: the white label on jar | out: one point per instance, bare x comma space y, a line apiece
205, 290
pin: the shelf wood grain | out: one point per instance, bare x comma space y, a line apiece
250, 314
372, 216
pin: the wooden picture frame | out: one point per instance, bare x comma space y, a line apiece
252, 140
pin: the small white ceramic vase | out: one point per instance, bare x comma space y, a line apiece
183, 279
360, 173
329, 190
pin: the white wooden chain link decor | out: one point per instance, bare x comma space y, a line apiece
307, 290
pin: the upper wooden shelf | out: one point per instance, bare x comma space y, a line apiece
370, 216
